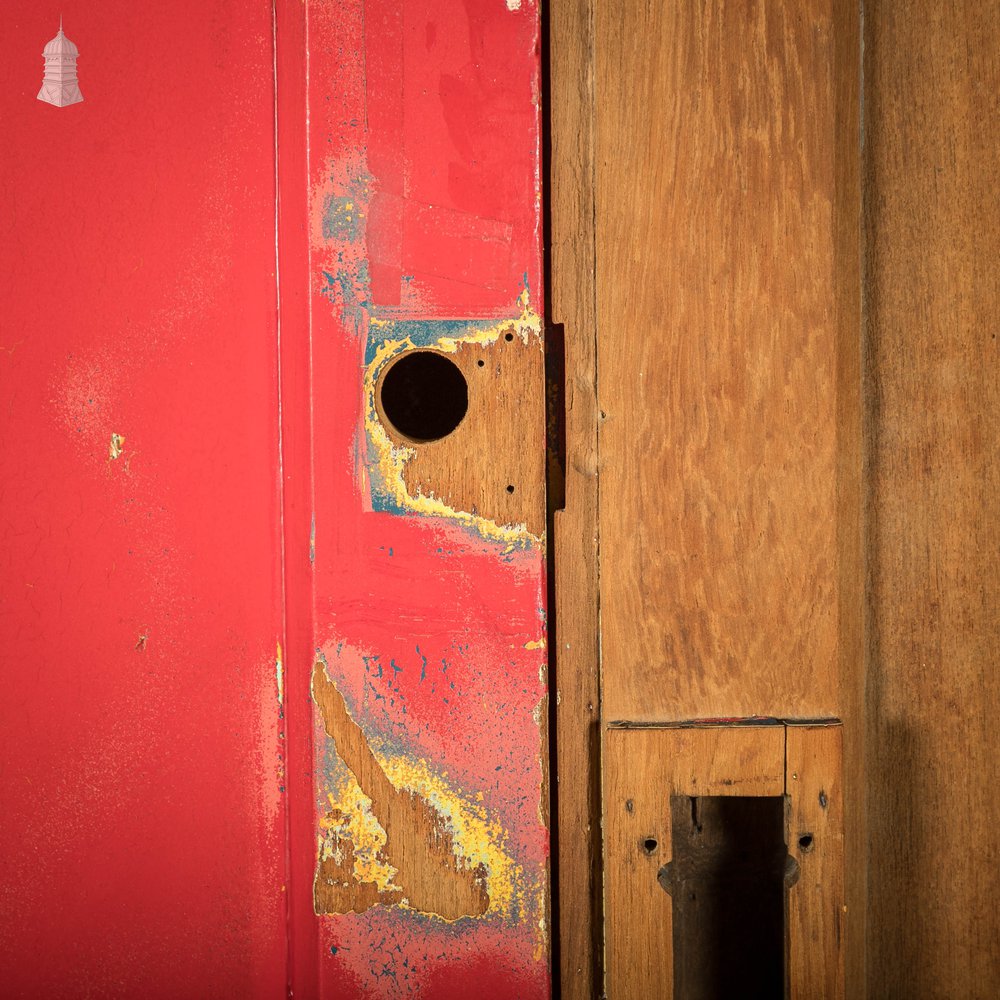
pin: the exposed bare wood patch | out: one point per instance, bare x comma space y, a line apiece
504, 419
337, 890
430, 876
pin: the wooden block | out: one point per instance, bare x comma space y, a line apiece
726, 212
642, 769
816, 910
648, 774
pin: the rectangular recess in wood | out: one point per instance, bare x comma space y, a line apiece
727, 257
645, 770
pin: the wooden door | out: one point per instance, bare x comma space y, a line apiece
274, 647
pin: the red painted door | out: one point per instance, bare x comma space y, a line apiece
272, 703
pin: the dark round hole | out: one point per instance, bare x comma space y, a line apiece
649, 845
424, 396
510, 489
481, 363
508, 336
806, 842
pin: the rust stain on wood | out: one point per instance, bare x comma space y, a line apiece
430, 876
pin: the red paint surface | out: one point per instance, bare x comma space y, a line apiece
141, 825
142, 598
425, 115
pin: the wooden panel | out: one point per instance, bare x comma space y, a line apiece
142, 814
573, 652
933, 176
816, 910
726, 136
642, 769
428, 637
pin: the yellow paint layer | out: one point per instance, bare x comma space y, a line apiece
434, 857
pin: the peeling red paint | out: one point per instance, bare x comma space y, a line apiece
167, 526
424, 200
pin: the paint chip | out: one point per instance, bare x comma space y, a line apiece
279, 675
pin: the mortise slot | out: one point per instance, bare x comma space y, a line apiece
555, 415
727, 880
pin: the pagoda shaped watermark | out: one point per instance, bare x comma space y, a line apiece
59, 85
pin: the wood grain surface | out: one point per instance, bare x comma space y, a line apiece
574, 651
723, 354
932, 73
817, 914
505, 420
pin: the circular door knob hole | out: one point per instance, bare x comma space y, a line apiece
424, 396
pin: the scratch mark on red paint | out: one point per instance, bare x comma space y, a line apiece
339, 225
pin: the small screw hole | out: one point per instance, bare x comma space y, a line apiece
481, 363
508, 336
649, 845
806, 842
510, 489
